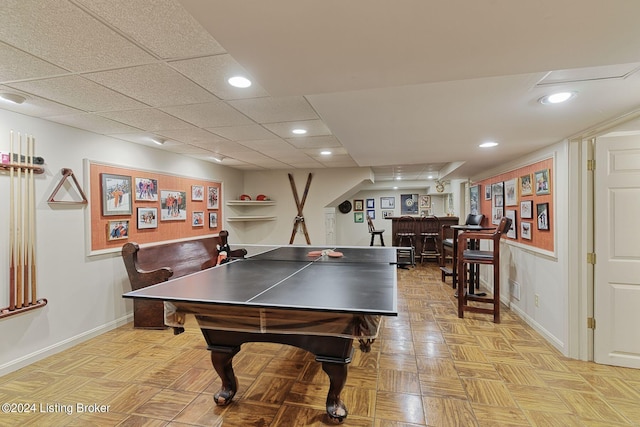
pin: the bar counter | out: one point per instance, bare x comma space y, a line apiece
420, 224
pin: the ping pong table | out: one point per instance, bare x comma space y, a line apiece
281, 294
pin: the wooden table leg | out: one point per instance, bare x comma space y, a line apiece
222, 360
337, 372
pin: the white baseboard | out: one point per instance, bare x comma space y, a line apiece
28, 359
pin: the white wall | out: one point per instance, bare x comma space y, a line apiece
83, 293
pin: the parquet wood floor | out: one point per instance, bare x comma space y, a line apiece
428, 368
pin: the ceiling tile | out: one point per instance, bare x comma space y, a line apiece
156, 84
186, 149
313, 128
154, 24
78, 92
145, 138
211, 114
223, 147
314, 142
212, 73
93, 123
149, 119
192, 135
35, 106
271, 110
242, 133
18, 65
63, 34
268, 145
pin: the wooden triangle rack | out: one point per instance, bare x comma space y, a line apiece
66, 173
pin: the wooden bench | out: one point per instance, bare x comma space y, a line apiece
155, 264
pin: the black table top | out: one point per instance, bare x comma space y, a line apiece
362, 281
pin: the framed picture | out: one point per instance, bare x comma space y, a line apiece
371, 203
358, 205
542, 182
371, 213
212, 197
525, 185
118, 230
387, 202
525, 230
510, 193
387, 214
474, 200
147, 218
526, 209
197, 219
146, 189
173, 204
496, 215
513, 231
487, 192
197, 193
425, 212
425, 202
213, 219
358, 217
409, 204
116, 194
542, 210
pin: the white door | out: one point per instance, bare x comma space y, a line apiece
617, 246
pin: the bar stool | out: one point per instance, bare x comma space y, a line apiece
374, 232
430, 237
476, 256
447, 246
406, 236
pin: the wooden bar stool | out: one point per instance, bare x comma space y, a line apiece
430, 238
406, 236
374, 232
477, 256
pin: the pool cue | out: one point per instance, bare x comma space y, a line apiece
12, 230
19, 237
32, 225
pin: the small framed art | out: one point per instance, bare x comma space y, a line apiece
146, 189
542, 210
197, 193
525, 185
116, 194
118, 230
510, 192
358, 205
387, 202
358, 217
487, 192
371, 203
213, 219
513, 231
173, 204
387, 214
147, 218
425, 201
197, 219
542, 182
212, 197
371, 213
474, 200
409, 204
525, 230
526, 209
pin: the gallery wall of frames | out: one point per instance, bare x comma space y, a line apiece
526, 196
129, 205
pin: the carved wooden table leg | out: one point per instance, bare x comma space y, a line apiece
222, 359
337, 373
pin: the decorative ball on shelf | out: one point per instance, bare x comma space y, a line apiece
245, 197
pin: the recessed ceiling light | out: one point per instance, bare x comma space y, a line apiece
325, 153
299, 131
239, 81
488, 144
430, 177
557, 98
395, 188
398, 178
13, 98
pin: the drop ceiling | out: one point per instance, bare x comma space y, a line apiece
407, 88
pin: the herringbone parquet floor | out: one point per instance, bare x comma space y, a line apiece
428, 368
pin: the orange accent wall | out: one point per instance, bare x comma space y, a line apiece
542, 239
166, 230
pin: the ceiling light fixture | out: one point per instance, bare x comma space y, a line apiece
488, 144
13, 98
158, 141
398, 178
299, 131
239, 81
557, 98
325, 153
218, 159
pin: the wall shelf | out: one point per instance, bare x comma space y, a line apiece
251, 202
250, 218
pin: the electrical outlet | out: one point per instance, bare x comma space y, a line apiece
537, 300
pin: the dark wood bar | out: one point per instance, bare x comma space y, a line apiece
420, 226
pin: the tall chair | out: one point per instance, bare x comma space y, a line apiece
446, 245
430, 238
406, 236
374, 232
476, 256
